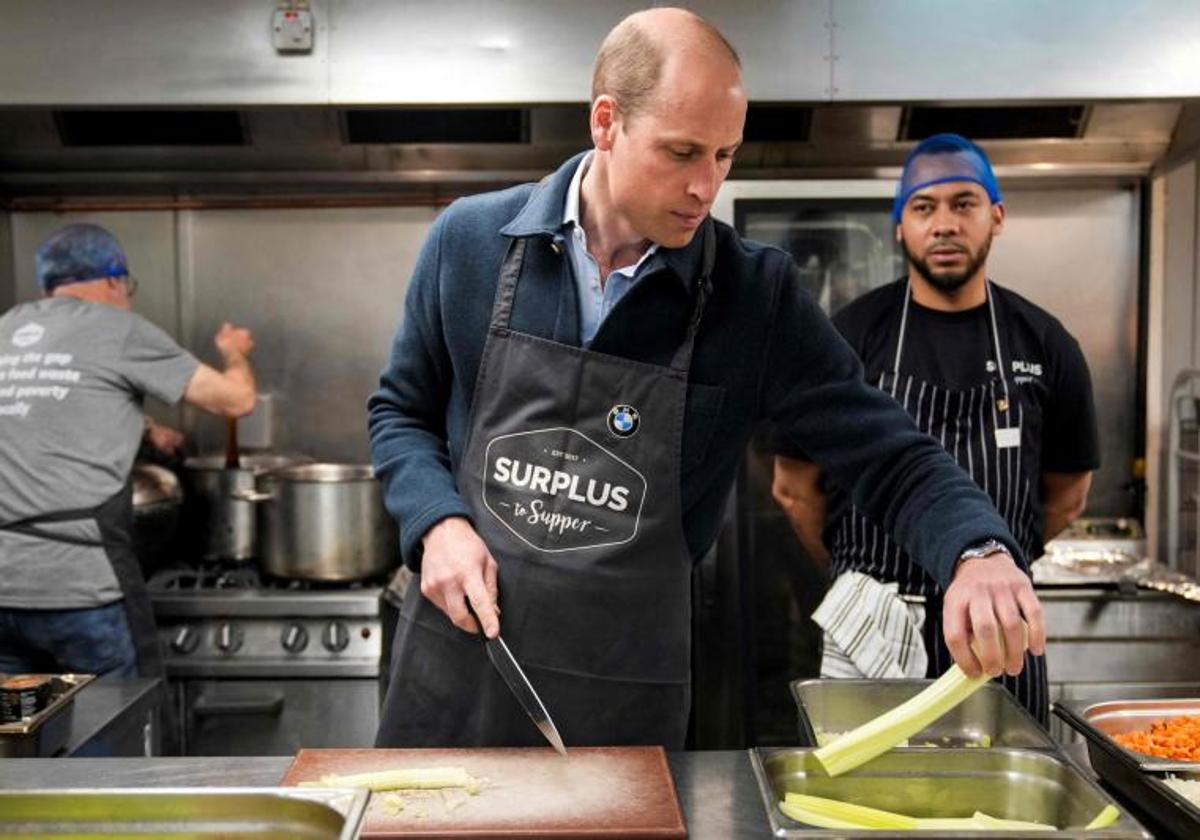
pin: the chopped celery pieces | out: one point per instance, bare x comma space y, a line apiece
422, 778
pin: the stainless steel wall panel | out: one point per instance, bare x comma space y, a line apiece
323, 291
1172, 340
1074, 252
476, 51
946, 50
144, 52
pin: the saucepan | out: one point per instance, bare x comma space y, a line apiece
323, 522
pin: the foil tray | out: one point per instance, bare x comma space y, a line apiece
194, 813
1008, 783
44, 733
1089, 565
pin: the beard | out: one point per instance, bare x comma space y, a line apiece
949, 281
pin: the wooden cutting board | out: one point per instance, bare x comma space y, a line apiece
609, 792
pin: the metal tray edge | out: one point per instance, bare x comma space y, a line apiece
63, 700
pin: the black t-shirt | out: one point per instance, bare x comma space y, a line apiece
955, 350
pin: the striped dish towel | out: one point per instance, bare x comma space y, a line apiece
870, 631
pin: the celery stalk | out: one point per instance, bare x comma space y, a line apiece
1104, 819
832, 813
847, 812
987, 821
881, 734
421, 778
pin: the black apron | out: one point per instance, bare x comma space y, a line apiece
994, 434
115, 520
571, 470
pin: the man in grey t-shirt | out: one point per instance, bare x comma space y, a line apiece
75, 367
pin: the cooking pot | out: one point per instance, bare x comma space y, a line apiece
324, 522
157, 497
222, 526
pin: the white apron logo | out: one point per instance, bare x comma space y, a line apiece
28, 335
558, 490
623, 421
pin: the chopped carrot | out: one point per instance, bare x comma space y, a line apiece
1177, 737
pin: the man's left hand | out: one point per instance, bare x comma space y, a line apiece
991, 601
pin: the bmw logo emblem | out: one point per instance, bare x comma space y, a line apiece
623, 420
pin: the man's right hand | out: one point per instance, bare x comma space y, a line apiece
456, 568
233, 341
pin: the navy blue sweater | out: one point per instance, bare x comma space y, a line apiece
765, 351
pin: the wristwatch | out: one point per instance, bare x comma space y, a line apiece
983, 549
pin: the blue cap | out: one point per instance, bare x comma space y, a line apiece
940, 159
78, 253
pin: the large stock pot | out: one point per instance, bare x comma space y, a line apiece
222, 525
324, 522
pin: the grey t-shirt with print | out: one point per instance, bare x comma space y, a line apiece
73, 375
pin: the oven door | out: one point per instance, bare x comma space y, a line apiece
278, 717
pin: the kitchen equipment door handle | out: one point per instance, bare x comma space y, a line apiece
252, 496
269, 704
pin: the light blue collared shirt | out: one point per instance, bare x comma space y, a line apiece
594, 302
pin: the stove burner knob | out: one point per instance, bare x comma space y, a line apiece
336, 637
186, 640
295, 638
229, 637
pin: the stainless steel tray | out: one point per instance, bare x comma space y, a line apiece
1008, 783
44, 733
194, 813
990, 716
1136, 775
1099, 721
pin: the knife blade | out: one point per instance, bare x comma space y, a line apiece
512, 674
514, 677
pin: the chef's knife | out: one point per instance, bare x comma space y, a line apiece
506, 664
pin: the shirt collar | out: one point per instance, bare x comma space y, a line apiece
545, 212
571, 215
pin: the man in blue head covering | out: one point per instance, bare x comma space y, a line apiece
997, 381
75, 368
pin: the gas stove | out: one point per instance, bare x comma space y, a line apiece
216, 621
261, 666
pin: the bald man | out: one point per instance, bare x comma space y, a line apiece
568, 397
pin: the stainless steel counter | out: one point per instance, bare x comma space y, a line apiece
717, 791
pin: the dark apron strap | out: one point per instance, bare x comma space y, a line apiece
510, 273
115, 519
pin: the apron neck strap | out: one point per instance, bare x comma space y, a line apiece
992, 327
506, 291
682, 360
510, 273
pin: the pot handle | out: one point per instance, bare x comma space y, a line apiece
252, 496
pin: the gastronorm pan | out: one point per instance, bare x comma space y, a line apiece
1007, 783
194, 813
44, 733
1134, 774
989, 717
1099, 721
